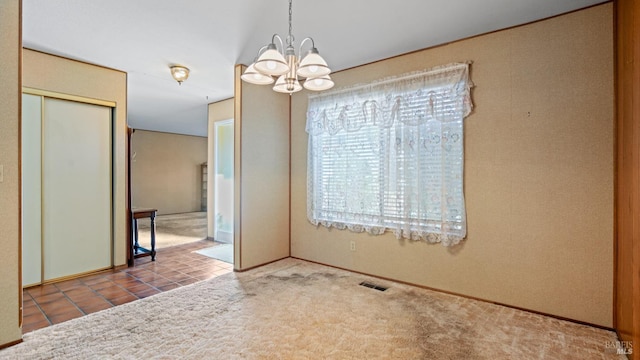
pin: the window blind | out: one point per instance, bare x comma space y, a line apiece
389, 156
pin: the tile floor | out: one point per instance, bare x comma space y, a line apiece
174, 267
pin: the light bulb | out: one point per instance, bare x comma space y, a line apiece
313, 68
257, 76
318, 81
271, 64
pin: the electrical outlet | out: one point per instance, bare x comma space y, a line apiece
353, 245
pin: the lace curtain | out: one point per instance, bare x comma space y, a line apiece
389, 156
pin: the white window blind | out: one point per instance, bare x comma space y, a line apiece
389, 156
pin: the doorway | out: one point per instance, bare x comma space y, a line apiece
223, 186
169, 174
222, 177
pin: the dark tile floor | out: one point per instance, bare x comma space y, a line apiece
174, 267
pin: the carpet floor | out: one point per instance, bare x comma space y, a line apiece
294, 309
175, 229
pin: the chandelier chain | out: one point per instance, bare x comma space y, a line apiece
290, 37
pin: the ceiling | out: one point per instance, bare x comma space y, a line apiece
145, 37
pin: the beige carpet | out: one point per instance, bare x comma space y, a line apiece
293, 309
176, 229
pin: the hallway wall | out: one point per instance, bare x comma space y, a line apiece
10, 99
166, 171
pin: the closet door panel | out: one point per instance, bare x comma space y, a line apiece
76, 186
31, 190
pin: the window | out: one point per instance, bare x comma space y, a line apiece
389, 156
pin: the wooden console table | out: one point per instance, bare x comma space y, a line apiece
137, 250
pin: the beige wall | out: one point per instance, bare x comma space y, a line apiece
10, 90
57, 74
261, 170
218, 111
165, 171
538, 173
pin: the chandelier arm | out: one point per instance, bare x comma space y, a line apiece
313, 45
273, 41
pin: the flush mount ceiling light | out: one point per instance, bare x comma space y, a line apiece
286, 66
179, 73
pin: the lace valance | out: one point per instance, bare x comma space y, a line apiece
398, 99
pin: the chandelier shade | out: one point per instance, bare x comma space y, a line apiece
287, 85
271, 62
284, 64
319, 83
253, 76
313, 65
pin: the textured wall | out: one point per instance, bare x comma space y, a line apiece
261, 173
61, 75
10, 90
538, 173
165, 171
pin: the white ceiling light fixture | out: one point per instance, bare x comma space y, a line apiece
179, 73
287, 66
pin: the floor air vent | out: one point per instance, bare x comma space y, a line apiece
373, 286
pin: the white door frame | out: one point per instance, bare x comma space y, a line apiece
214, 170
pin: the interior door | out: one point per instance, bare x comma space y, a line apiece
31, 190
76, 188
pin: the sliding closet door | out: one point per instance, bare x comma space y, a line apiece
76, 188
31, 190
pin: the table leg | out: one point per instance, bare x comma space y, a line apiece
153, 237
135, 236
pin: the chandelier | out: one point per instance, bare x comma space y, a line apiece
286, 66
